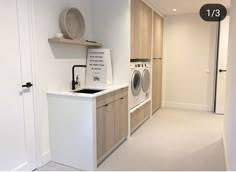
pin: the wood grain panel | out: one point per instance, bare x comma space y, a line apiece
146, 31
136, 29
147, 109
156, 84
105, 129
141, 30
157, 36
121, 119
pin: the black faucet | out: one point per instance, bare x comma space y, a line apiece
73, 75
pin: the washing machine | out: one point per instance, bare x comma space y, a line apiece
140, 81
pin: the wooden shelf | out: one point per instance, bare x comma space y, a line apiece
76, 42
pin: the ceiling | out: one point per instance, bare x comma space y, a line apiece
165, 7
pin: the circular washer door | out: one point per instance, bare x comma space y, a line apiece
136, 82
146, 80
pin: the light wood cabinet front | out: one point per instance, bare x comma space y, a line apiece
156, 84
139, 116
157, 36
121, 119
147, 109
112, 121
105, 129
136, 29
146, 32
141, 30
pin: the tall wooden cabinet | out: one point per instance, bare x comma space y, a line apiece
157, 62
141, 30
142, 21
156, 84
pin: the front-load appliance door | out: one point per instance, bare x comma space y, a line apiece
136, 86
136, 82
146, 80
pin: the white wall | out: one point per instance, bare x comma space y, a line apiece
230, 110
111, 21
189, 55
53, 62
106, 22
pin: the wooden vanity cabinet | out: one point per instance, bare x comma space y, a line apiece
112, 121
121, 119
105, 129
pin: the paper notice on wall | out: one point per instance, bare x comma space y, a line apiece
99, 67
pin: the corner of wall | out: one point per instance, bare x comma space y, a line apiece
44, 159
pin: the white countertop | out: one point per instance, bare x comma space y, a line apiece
70, 93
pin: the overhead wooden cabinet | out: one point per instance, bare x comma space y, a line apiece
146, 32
136, 29
157, 36
141, 30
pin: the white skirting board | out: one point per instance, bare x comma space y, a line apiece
44, 159
187, 106
22, 167
226, 158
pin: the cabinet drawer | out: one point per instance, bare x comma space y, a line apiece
105, 99
140, 115
147, 109
137, 118
123, 92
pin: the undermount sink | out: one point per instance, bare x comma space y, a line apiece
88, 91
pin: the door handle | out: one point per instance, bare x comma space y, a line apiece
27, 85
221, 70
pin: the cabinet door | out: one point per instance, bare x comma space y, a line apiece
137, 117
157, 36
147, 109
105, 129
156, 84
146, 31
141, 30
136, 29
121, 119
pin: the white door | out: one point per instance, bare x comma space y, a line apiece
222, 66
17, 127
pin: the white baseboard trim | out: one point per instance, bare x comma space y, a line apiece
186, 106
22, 167
45, 158
226, 157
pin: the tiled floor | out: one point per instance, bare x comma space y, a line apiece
171, 140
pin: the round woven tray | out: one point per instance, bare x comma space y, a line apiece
72, 23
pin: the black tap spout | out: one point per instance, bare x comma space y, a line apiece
73, 74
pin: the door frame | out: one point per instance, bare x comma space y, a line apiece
34, 79
30, 17
216, 66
